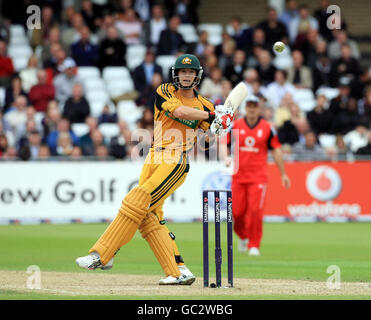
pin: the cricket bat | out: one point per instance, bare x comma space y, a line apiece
236, 96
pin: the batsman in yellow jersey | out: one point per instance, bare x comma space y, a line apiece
179, 110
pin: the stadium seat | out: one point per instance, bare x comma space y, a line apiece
92, 84
165, 62
88, 72
126, 106
17, 30
96, 108
39, 116
116, 88
135, 55
282, 61
20, 63
115, 73
188, 32
330, 93
327, 140
131, 117
97, 95
211, 28
109, 130
2, 96
80, 129
15, 51
305, 99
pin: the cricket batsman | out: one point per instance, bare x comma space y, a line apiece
253, 137
179, 109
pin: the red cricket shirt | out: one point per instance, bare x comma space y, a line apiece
250, 147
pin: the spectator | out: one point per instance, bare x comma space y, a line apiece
44, 152
357, 138
234, 72
289, 14
186, 9
274, 29
85, 140
64, 145
300, 25
346, 118
9, 135
249, 77
6, 65
119, 144
277, 89
72, 33
3, 144
299, 75
11, 93
28, 75
76, 108
293, 131
241, 35
203, 42
322, 17
30, 127
366, 150
65, 81
226, 89
112, 50
130, 26
31, 146
321, 72
76, 153
41, 93
340, 147
228, 48
50, 121
258, 40
63, 127
335, 46
107, 22
211, 87
283, 112
364, 106
41, 35
171, 41
143, 74
320, 118
83, 51
345, 66
15, 119
310, 48
154, 27
101, 151
265, 68
148, 95
310, 149
107, 116
90, 14
97, 139
53, 39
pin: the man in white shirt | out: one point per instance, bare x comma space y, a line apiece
276, 90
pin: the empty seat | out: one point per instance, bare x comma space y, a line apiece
88, 72
131, 117
165, 62
92, 84
115, 73
116, 88
80, 129
16, 30
211, 28
305, 99
327, 140
20, 63
282, 61
109, 130
2, 96
15, 51
97, 95
330, 93
188, 32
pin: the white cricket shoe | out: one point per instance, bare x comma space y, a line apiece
186, 278
92, 262
242, 245
254, 252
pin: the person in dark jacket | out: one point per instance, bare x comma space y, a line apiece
171, 41
112, 50
76, 108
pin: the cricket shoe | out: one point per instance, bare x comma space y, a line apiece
186, 278
254, 252
92, 262
242, 245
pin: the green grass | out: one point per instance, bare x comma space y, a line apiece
289, 251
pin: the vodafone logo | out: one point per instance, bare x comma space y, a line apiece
323, 183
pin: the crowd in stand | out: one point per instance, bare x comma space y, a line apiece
100, 35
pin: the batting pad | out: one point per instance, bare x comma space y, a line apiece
122, 229
161, 244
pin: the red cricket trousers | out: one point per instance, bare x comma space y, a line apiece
247, 206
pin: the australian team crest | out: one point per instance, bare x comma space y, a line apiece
187, 60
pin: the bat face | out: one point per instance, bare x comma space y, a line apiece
236, 96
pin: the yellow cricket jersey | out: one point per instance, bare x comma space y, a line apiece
171, 133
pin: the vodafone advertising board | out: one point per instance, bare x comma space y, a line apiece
321, 189
93, 190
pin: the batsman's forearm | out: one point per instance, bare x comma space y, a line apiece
188, 113
278, 159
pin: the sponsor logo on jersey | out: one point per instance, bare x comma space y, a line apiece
249, 145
